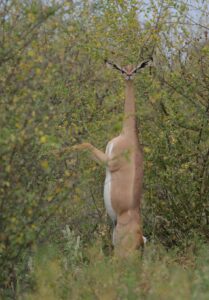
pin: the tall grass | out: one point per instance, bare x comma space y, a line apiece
86, 273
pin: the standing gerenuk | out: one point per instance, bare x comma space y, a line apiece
124, 173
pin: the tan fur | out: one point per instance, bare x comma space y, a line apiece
125, 163
127, 174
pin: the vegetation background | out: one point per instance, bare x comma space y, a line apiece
55, 240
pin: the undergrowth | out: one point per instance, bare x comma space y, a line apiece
77, 272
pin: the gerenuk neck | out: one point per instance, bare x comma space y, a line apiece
129, 123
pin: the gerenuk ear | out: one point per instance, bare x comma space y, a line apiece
114, 66
142, 65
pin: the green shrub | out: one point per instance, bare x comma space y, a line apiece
55, 92
157, 275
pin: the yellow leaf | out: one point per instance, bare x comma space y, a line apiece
49, 198
173, 139
31, 53
8, 168
147, 149
30, 211
43, 139
13, 220
38, 71
44, 164
67, 173
31, 17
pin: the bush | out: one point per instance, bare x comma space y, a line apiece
55, 92
157, 275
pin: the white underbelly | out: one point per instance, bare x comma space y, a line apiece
107, 188
107, 196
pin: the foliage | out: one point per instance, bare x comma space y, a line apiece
156, 275
55, 92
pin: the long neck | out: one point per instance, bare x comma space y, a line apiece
129, 123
